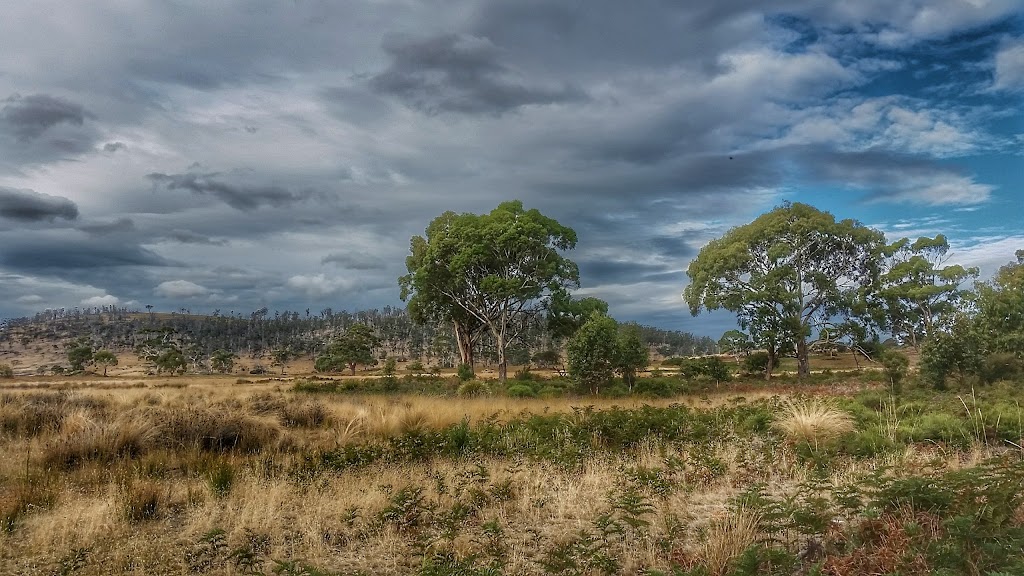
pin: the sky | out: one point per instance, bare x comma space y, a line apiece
233, 155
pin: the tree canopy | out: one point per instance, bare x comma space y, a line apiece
785, 274
492, 270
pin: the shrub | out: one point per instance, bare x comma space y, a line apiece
142, 501
756, 363
6, 371
728, 539
521, 391
523, 374
999, 366
474, 388
464, 372
416, 367
895, 365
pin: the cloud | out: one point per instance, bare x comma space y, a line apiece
54, 253
30, 299
28, 117
318, 285
100, 301
108, 227
460, 73
180, 289
189, 237
354, 261
31, 206
112, 147
1009, 66
239, 196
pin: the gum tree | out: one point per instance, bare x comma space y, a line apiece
497, 270
786, 274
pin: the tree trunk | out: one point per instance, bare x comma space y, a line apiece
502, 362
465, 344
803, 363
771, 365
352, 366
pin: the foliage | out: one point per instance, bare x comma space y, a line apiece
355, 346
567, 314
498, 268
756, 363
735, 343
957, 351
1001, 366
1000, 317
631, 354
813, 422
785, 274
104, 358
80, 354
6, 371
592, 353
464, 372
222, 361
896, 364
921, 295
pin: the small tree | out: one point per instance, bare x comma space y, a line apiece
6, 371
104, 358
80, 354
354, 347
592, 353
631, 354
281, 356
222, 361
895, 364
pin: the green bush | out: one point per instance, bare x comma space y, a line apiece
6, 371
521, 391
464, 372
995, 367
895, 364
474, 388
756, 363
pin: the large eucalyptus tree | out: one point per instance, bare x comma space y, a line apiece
786, 274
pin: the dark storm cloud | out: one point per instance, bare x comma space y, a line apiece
460, 73
239, 196
29, 117
62, 255
612, 272
112, 227
354, 261
189, 237
30, 206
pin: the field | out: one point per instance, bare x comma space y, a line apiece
136, 474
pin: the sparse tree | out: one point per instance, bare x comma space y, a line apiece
354, 347
80, 354
104, 358
222, 361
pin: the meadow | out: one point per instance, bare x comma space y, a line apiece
425, 475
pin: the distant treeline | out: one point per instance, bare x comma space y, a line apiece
259, 333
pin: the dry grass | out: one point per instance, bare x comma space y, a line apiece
813, 421
727, 539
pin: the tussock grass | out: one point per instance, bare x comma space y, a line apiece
813, 422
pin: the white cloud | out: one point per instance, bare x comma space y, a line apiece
1009, 72
318, 285
30, 299
180, 289
947, 191
104, 300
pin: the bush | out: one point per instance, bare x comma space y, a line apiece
474, 388
416, 367
6, 371
756, 363
895, 365
521, 391
996, 367
464, 372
